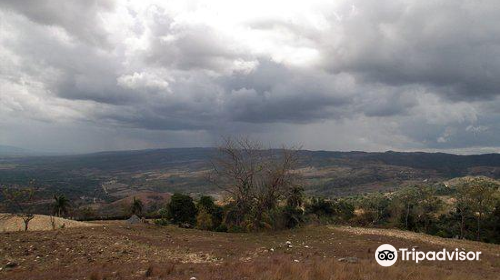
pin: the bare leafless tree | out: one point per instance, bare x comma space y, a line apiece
255, 178
21, 203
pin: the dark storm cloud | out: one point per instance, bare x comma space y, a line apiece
275, 93
453, 46
424, 72
78, 18
191, 47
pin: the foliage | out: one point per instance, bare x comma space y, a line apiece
235, 229
320, 207
60, 206
479, 198
255, 178
295, 197
221, 228
210, 212
207, 203
336, 210
292, 216
86, 213
181, 209
204, 220
20, 202
161, 222
136, 207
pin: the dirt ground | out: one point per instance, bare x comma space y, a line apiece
115, 250
9, 223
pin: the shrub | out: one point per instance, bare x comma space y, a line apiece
161, 222
292, 216
344, 210
221, 228
207, 204
320, 207
204, 220
181, 209
235, 229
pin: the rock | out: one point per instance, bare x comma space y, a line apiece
133, 220
193, 278
288, 243
10, 265
296, 261
349, 260
185, 225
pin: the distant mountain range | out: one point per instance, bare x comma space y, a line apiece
184, 169
10, 151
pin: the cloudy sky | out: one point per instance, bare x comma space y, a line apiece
79, 76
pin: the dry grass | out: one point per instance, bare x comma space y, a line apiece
9, 223
283, 268
115, 250
280, 269
414, 236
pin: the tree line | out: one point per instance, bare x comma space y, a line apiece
263, 190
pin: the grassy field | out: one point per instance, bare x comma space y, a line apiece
115, 250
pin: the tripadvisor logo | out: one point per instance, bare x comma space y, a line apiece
387, 255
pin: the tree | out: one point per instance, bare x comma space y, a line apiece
255, 178
320, 207
295, 197
20, 201
60, 206
87, 213
375, 208
477, 193
181, 209
136, 207
427, 207
403, 203
207, 204
343, 210
204, 220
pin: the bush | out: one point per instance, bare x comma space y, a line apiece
344, 211
161, 222
292, 216
207, 204
204, 220
234, 214
221, 228
320, 207
181, 209
235, 229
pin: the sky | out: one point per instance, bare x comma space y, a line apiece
404, 75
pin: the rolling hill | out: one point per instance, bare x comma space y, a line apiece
85, 177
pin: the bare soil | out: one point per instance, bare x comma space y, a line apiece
115, 250
9, 223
